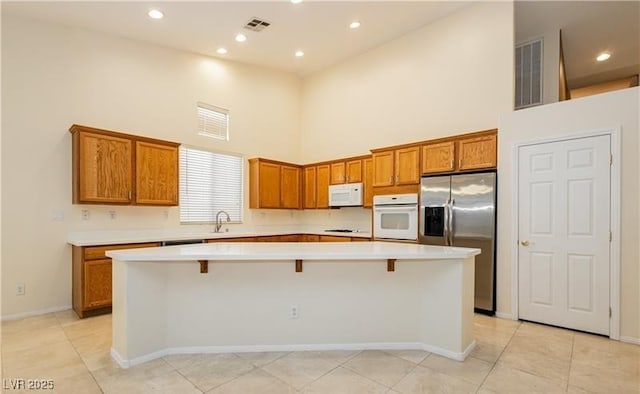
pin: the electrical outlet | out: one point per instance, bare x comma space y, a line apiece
21, 289
112, 214
57, 216
294, 312
166, 214
85, 214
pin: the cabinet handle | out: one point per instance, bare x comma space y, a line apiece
129, 194
397, 176
452, 163
460, 163
391, 179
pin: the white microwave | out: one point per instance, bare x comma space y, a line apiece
347, 195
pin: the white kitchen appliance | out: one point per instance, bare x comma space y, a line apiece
395, 216
346, 195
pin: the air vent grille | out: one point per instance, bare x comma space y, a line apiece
528, 74
257, 24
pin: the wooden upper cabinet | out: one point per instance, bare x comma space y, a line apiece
322, 186
439, 157
156, 174
477, 152
309, 182
367, 198
102, 168
111, 168
383, 168
407, 171
274, 184
290, 187
264, 184
353, 171
338, 173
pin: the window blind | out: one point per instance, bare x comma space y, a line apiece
209, 182
213, 121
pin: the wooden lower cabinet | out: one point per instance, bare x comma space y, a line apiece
309, 238
333, 238
241, 239
91, 277
360, 239
97, 283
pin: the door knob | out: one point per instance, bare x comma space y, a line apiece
524, 243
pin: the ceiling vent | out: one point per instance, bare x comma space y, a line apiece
257, 24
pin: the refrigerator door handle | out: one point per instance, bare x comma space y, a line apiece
450, 224
446, 223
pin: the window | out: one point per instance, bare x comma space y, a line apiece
209, 182
213, 121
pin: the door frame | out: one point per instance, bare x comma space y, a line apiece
614, 221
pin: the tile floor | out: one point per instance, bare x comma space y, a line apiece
511, 357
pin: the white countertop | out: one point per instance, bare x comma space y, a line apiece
112, 237
294, 250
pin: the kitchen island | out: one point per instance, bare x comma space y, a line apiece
249, 297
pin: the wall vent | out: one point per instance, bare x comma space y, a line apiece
257, 24
528, 74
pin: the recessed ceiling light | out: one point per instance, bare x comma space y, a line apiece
299, 54
241, 37
603, 56
222, 51
155, 14
354, 25
296, 1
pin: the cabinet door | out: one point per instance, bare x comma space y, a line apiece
383, 168
438, 157
156, 174
103, 169
269, 185
354, 171
290, 192
368, 183
337, 173
333, 238
408, 166
290, 238
97, 283
309, 187
322, 190
309, 238
479, 152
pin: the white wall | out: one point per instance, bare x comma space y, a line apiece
605, 111
54, 76
449, 77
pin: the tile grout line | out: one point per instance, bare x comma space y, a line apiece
185, 378
389, 388
333, 369
495, 363
573, 344
78, 353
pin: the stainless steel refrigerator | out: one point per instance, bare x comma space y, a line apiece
460, 210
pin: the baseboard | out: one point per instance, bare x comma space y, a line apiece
291, 348
503, 315
630, 340
23, 315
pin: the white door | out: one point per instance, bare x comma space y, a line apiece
563, 259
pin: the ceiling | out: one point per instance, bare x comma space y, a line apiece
319, 28
588, 28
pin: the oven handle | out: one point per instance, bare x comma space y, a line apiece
396, 208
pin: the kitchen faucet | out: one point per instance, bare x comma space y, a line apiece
219, 222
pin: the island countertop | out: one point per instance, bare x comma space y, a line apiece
294, 251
